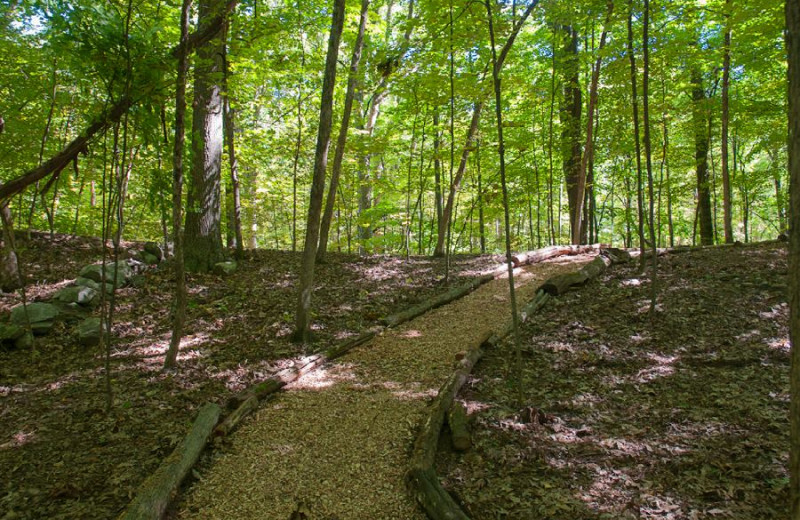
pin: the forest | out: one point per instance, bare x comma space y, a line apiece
400, 259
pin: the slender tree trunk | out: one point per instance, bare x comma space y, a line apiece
665, 162
203, 239
726, 78
471, 135
295, 164
437, 167
636, 133
481, 218
648, 154
303, 318
704, 218
233, 161
501, 153
341, 142
550, 181
179, 306
793, 51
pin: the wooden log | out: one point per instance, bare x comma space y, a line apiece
616, 255
155, 493
233, 419
540, 255
562, 283
459, 428
439, 300
595, 268
436, 502
421, 477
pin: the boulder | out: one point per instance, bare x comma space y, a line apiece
86, 282
25, 341
40, 315
95, 272
10, 333
79, 294
147, 258
154, 250
225, 268
89, 332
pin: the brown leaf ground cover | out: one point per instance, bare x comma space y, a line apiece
682, 418
62, 456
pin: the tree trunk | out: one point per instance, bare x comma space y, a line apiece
578, 224
10, 279
793, 51
179, 309
203, 239
437, 167
233, 161
701, 158
571, 123
338, 155
726, 78
303, 317
648, 153
637, 144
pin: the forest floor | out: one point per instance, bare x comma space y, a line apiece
64, 457
681, 418
685, 417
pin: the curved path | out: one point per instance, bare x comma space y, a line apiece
336, 444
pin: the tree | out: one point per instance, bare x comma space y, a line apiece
341, 142
701, 145
793, 52
203, 238
726, 80
303, 314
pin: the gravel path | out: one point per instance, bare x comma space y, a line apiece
336, 444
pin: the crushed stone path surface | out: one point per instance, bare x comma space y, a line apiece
336, 444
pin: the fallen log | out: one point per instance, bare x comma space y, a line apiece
562, 283
459, 428
616, 255
155, 493
421, 477
437, 301
540, 255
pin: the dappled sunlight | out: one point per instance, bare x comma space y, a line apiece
19, 439
664, 366
631, 282
324, 377
411, 334
780, 344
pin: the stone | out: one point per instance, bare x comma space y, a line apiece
79, 294
148, 258
25, 341
85, 282
155, 250
225, 268
95, 272
37, 313
10, 332
89, 332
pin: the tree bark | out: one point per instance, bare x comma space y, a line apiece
203, 234
179, 309
648, 154
233, 161
570, 112
338, 155
578, 224
793, 51
726, 78
701, 157
303, 315
636, 134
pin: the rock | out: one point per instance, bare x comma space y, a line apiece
9, 271
25, 341
79, 294
85, 282
89, 332
147, 258
10, 332
39, 315
95, 272
154, 250
225, 268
